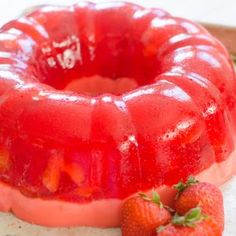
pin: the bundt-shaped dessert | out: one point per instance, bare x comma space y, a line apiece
100, 101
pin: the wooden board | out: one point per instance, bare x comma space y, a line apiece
227, 35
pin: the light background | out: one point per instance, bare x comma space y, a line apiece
213, 11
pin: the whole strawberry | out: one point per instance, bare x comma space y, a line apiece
141, 215
204, 195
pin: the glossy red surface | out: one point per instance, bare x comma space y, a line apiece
65, 145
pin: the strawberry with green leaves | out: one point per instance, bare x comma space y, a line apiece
141, 215
193, 223
199, 211
204, 195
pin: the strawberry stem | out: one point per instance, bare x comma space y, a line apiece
190, 219
160, 229
181, 186
144, 196
155, 198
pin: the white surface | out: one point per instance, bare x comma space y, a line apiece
214, 11
229, 191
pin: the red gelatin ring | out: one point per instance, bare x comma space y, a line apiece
152, 101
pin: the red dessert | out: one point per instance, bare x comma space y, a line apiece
152, 101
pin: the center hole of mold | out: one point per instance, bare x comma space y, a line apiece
97, 85
113, 66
